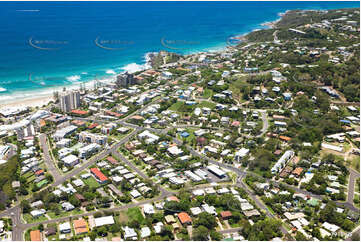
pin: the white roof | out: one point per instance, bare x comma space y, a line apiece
64, 226
242, 152
330, 227
148, 208
70, 159
174, 150
103, 221
135, 193
129, 232
145, 232
196, 210
78, 183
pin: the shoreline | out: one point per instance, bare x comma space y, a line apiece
28, 99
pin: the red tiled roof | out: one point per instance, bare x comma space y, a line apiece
184, 218
297, 171
35, 235
39, 172
93, 125
235, 123
173, 198
226, 214
112, 160
285, 138
80, 112
113, 113
99, 174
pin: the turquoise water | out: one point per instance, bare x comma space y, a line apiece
65, 43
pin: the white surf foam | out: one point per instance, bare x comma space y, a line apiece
73, 78
111, 72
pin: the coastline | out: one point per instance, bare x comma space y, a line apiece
33, 98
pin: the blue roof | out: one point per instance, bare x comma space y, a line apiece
345, 121
184, 134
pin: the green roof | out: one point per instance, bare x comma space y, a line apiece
312, 202
228, 239
42, 183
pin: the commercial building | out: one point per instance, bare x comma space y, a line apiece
61, 133
216, 171
92, 138
88, 150
70, 160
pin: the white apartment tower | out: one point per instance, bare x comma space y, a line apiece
69, 100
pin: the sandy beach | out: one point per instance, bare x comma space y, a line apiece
28, 102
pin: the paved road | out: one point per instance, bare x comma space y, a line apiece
96, 158
261, 205
133, 167
351, 185
50, 163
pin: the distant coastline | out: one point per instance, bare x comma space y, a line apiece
44, 95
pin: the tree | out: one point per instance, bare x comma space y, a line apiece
102, 231
215, 235
25, 205
73, 200
115, 228
200, 233
300, 237
355, 236
207, 220
347, 225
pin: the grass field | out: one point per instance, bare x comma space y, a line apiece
176, 106
64, 214
207, 93
135, 214
235, 87
91, 182
206, 104
29, 219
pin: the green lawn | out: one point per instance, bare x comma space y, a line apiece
29, 219
190, 137
207, 93
91, 182
64, 214
176, 106
356, 200
235, 87
206, 104
135, 214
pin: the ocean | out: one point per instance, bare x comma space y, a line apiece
47, 45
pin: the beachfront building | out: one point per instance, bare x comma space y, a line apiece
69, 100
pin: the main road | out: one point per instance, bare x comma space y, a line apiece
50, 163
